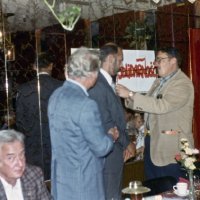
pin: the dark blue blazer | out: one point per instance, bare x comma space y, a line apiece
37, 141
112, 114
79, 145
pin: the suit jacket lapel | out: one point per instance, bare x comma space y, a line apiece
103, 79
153, 87
27, 187
2, 192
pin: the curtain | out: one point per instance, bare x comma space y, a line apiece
194, 62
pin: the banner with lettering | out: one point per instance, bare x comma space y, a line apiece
138, 72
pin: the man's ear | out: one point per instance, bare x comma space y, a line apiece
174, 60
34, 67
110, 58
50, 66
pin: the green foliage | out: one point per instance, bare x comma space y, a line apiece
138, 33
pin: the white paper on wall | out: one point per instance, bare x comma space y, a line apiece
138, 72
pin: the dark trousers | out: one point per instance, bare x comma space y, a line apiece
152, 171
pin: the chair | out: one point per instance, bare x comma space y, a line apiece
159, 185
133, 170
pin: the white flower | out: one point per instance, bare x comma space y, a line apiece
189, 163
184, 140
195, 151
187, 155
188, 151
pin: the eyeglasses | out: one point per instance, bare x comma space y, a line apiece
158, 60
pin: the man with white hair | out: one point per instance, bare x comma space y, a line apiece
79, 141
18, 181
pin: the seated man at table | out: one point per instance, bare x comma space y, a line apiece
18, 181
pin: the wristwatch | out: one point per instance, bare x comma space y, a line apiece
130, 94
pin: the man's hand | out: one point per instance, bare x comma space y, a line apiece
122, 91
129, 152
114, 132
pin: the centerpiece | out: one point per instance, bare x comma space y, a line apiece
187, 159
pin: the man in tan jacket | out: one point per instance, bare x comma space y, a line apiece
169, 110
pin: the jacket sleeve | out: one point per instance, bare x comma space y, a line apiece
174, 96
91, 124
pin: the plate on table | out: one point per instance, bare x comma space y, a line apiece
139, 190
181, 195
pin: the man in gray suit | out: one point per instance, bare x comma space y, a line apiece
112, 115
79, 141
17, 180
169, 110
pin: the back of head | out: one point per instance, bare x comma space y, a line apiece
172, 52
44, 60
82, 62
108, 49
10, 135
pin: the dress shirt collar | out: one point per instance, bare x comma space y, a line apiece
12, 191
107, 76
166, 78
81, 86
43, 73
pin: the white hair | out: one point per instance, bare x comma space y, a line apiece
82, 62
10, 135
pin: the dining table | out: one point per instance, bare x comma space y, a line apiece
168, 195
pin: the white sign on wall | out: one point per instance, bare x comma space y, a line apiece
138, 72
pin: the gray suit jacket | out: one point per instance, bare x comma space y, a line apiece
79, 144
33, 187
171, 109
112, 114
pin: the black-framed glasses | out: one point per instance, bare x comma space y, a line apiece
158, 59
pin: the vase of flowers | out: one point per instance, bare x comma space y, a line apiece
192, 195
187, 158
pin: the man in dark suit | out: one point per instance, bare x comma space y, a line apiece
31, 114
18, 180
112, 114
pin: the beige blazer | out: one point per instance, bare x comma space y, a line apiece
171, 109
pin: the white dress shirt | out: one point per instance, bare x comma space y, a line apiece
108, 78
13, 192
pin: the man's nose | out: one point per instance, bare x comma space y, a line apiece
20, 161
155, 63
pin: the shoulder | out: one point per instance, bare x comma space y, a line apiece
182, 80
100, 85
33, 172
182, 76
27, 84
27, 87
47, 79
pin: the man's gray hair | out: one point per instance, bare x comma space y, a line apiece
82, 62
10, 135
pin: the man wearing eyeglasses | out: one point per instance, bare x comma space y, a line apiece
169, 110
